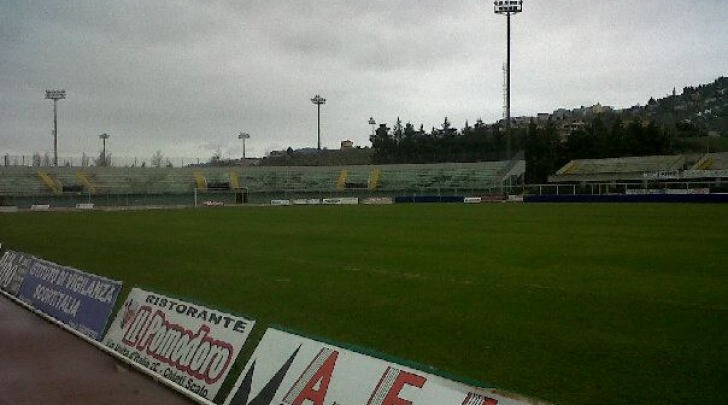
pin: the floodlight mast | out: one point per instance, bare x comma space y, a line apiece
55, 95
318, 100
508, 7
103, 138
244, 136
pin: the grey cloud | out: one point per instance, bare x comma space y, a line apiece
186, 76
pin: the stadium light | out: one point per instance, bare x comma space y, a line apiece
318, 100
55, 95
244, 136
508, 7
103, 138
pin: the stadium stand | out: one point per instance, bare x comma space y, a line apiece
127, 185
20, 180
374, 179
712, 161
449, 176
711, 166
341, 182
617, 169
86, 181
53, 185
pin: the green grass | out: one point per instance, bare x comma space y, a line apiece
576, 304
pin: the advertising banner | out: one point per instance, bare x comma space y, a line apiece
341, 201
13, 266
188, 344
288, 369
80, 300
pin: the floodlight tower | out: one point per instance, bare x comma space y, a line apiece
508, 7
318, 100
103, 138
244, 136
55, 95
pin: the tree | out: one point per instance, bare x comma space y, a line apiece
383, 144
103, 160
157, 159
216, 157
541, 153
398, 131
446, 129
467, 129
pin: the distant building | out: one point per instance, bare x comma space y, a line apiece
598, 109
567, 128
347, 144
561, 114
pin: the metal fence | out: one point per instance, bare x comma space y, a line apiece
46, 160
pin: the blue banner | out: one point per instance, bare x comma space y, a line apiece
80, 300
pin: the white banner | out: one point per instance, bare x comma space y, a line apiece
341, 201
379, 201
288, 369
13, 268
188, 344
662, 175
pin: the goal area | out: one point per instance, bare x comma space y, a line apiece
213, 198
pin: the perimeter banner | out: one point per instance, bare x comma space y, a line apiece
288, 369
80, 300
13, 267
188, 344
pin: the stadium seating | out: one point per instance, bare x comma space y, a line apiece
330, 181
450, 176
20, 180
616, 169
712, 161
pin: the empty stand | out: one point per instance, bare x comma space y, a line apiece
132, 185
622, 169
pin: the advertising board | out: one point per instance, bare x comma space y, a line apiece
340, 201
379, 201
13, 266
80, 300
288, 369
191, 345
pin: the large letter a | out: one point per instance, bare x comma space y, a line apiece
314, 382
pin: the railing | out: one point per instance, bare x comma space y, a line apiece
601, 188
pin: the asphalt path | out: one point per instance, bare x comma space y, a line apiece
40, 363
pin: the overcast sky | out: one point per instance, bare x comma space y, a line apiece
185, 77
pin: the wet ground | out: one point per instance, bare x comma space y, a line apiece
40, 363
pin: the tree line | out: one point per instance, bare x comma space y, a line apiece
544, 148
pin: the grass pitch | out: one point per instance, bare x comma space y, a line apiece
576, 304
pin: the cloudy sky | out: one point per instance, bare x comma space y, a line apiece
186, 76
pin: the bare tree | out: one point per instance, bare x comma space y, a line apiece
103, 160
157, 159
216, 157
